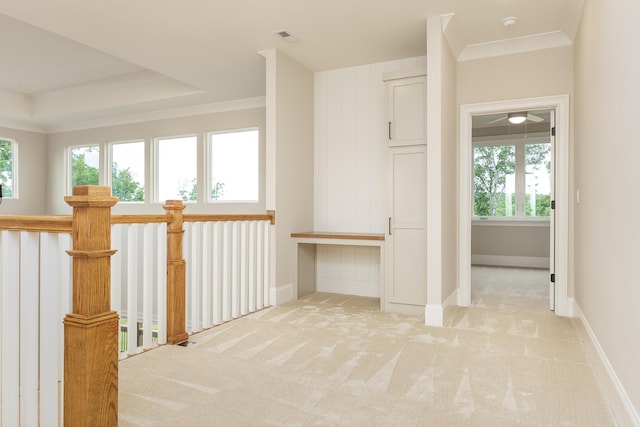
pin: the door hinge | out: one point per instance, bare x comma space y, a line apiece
553, 204
553, 277
553, 131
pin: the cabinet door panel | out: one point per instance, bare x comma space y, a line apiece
406, 240
409, 267
407, 111
409, 186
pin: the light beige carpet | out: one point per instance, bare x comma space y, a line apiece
335, 360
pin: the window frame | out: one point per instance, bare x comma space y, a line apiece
14, 171
520, 217
209, 167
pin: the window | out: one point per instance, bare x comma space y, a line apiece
8, 148
177, 165
127, 171
234, 166
512, 179
85, 163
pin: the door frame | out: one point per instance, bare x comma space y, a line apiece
560, 104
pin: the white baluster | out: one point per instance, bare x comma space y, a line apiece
147, 286
10, 334
216, 296
50, 325
28, 326
161, 280
132, 288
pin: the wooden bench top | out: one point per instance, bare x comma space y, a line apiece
339, 235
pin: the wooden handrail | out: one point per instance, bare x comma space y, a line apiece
139, 219
269, 216
37, 223
62, 223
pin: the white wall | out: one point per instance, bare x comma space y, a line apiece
607, 149
349, 186
449, 124
442, 173
510, 245
32, 173
289, 159
199, 124
525, 75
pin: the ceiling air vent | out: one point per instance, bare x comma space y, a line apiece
286, 36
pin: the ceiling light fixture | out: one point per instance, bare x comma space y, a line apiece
509, 21
517, 118
286, 36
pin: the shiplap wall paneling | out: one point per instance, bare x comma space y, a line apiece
349, 151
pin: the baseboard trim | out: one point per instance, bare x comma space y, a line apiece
433, 315
572, 307
510, 261
621, 406
281, 294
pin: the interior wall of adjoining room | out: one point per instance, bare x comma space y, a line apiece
57, 161
31, 167
349, 150
607, 230
509, 245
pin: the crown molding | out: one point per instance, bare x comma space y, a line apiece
186, 111
515, 45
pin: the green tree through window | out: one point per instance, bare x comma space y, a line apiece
82, 170
6, 167
492, 166
512, 180
124, 186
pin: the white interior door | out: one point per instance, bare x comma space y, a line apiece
552, 215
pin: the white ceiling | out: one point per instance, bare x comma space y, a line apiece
65, 62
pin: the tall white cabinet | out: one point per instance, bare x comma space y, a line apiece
406, 198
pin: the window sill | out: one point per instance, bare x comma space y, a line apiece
511, 222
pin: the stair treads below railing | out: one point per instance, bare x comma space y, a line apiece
227, 270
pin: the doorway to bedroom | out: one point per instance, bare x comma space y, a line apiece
514, 162
512, 191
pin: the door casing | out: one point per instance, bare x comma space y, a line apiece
560, 104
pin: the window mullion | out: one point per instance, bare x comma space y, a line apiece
520, 180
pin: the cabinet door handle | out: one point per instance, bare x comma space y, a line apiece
389, 226
389, 130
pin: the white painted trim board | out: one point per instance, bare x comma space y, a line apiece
621, 405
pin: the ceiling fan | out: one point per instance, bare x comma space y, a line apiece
518, 117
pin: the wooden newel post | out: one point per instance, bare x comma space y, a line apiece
176, 274
91, 330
